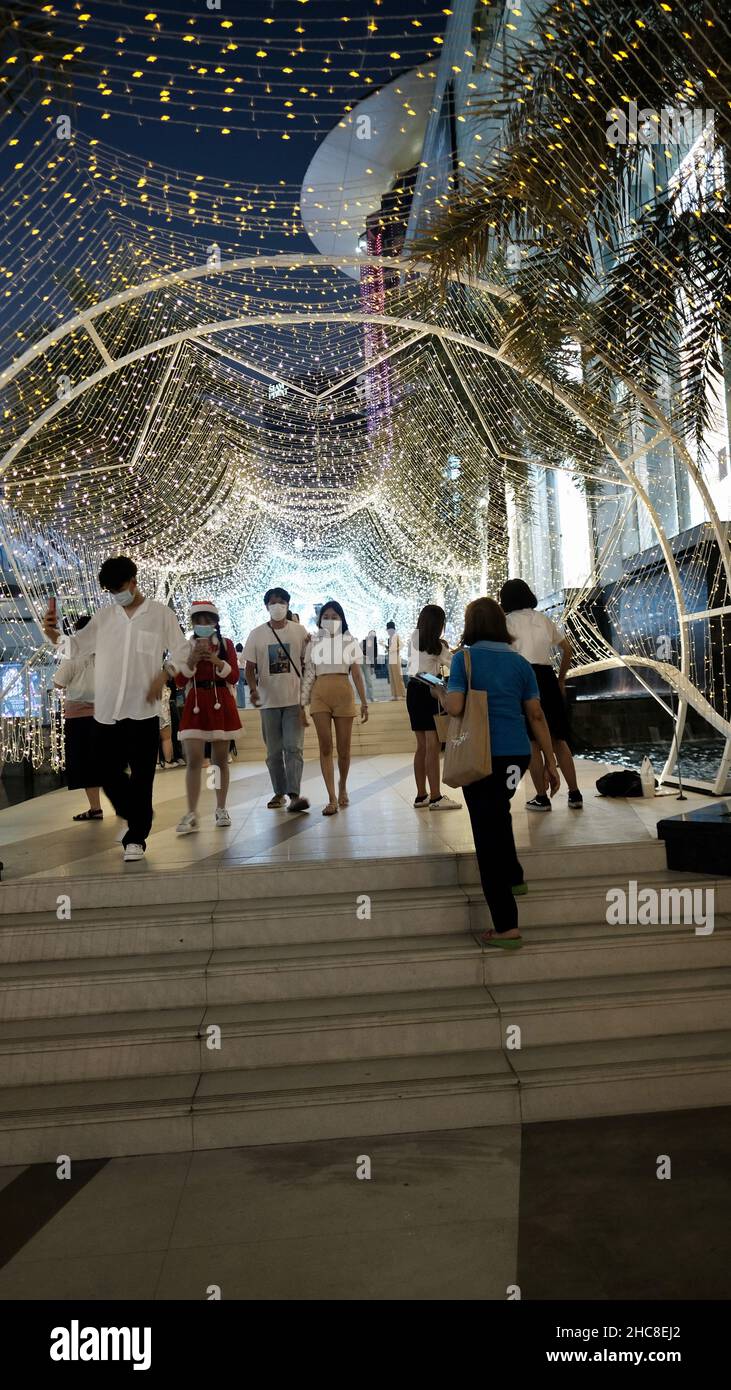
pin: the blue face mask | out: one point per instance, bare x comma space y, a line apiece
203, 629
124, 597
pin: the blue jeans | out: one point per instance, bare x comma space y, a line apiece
241, 692
284, 736
368, 681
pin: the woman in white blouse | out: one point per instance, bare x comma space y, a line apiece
536, 637
75, 676
331, 658
430, 655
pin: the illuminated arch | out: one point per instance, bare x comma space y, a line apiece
416, 329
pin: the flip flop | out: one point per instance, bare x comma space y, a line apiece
330, 810
510, 943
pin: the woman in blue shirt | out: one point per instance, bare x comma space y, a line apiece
512, 696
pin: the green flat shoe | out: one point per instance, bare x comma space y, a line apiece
520, 890
510, 943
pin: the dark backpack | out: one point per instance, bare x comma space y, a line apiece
622, 783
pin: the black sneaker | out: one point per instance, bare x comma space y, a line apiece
539, 803
576, 801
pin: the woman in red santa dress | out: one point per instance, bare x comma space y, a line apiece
209, 714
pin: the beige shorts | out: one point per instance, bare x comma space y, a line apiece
333, 695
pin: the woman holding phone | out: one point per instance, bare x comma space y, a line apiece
429, 656
209, 713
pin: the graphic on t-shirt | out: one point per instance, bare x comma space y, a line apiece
279, 663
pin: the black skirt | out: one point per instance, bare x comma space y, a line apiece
553, 702
421, 706
81, 766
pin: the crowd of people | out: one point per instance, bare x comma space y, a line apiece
139, 691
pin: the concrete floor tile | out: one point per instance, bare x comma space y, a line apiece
454, 1260
306, 1190
99, 1277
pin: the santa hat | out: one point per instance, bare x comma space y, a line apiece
203, 605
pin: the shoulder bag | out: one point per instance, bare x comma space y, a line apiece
467, 755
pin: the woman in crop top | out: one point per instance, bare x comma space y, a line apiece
331, 658
428, 652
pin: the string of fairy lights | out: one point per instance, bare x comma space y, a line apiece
256, 72
276, 421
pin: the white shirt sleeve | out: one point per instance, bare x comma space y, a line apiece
308, 676
65, 672
557, 634
249, 652
81, 644
176, 642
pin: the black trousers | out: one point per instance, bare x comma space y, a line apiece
488, 802
129, 744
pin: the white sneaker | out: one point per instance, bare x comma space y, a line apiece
222, 816
445, 803
188, 824
132, 852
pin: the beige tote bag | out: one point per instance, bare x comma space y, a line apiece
467, 755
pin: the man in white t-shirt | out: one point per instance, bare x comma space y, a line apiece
274, 654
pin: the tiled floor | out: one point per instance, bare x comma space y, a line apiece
564, 1210
570, 1210
39, 841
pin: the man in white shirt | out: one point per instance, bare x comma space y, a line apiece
274, 656
128, 640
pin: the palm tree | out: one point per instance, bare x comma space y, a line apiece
640, 276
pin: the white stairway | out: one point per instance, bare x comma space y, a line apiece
335, 1024
387, 730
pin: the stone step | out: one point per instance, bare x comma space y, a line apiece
647, 1005
76, 987
178, 1113
550, 902
443, 909
151, 1042
395, 1023
573, 951
198, 889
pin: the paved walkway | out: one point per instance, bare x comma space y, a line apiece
38, 838
571, 1210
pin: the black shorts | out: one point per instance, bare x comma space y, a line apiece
82, 766
421, 706
552, 702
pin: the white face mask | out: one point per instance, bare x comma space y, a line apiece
277, 611
331, 625
125, 597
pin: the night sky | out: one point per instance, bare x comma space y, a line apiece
255, 149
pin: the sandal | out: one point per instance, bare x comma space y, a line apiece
90, 815
505, 943
331, 809
343, 799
